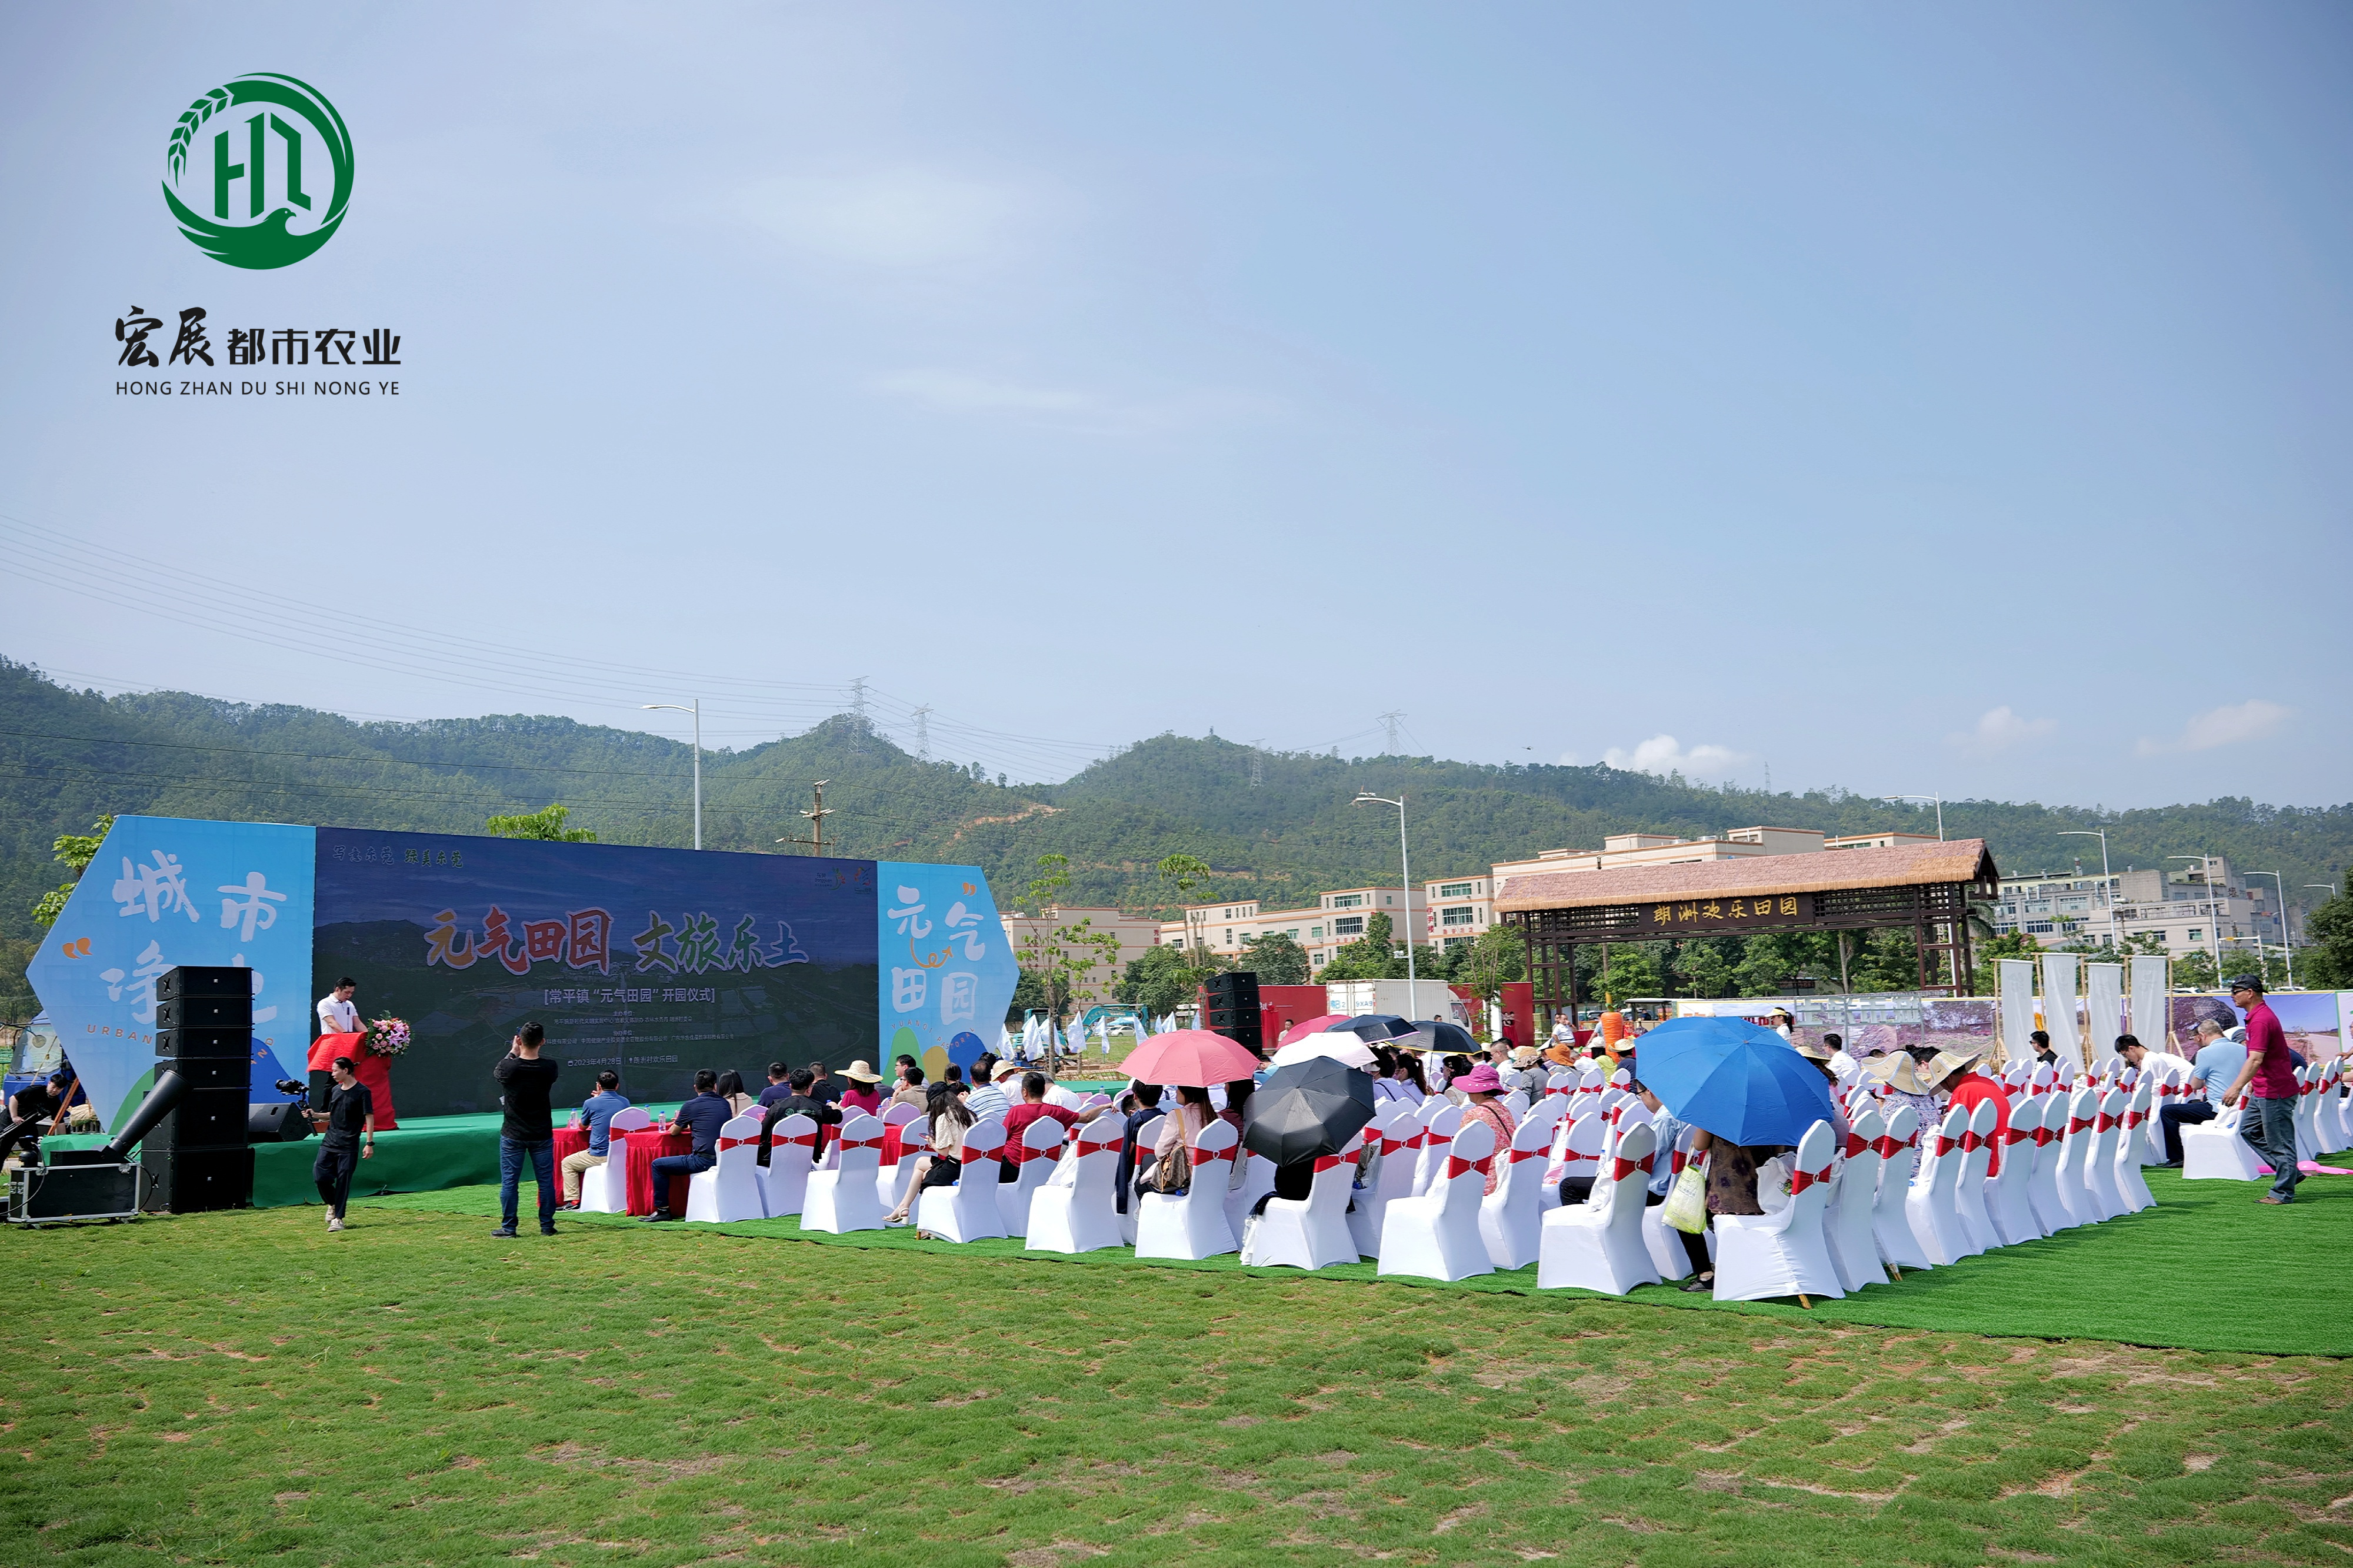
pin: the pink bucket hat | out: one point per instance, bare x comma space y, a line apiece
1481, 1079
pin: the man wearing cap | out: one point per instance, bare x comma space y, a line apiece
1952, 1073
2268, 1075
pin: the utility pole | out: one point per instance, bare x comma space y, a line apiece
816, 841
1389, 722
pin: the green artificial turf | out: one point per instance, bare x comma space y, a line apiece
2208, 1268
235, 1387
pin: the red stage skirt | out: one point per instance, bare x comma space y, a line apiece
645, 1147
371, 1070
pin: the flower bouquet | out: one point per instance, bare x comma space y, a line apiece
388, 1037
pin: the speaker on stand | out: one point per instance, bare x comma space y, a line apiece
1230, 1007
200, 1155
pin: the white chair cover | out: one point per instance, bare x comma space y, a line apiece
1436, 1235
845, 1197
1033, 1157
1855, 1200
1933, 1205
1310, 1232
1891, 1218
1599, 1245
728, 1190
2007, 1200
604, 1189
792, 1154
2131, 1186
891, 1182
1073, 1211
1976, 1158
1783, 1253
898, 1113
1258, 1181
1392, 1176
1181, 1227
1438, 1122
1576, 1151
1510, 1217
2214, 1151
2079, 1136
2308, 1105
968, 1210
2100, 1171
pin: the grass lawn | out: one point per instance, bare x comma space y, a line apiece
230, 1387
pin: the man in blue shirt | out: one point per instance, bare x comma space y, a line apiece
1147, 1110
597, 1115
2215, 1062
779, 1084
702, 1117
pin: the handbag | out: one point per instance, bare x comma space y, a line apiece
1173, 1172
1686, 1206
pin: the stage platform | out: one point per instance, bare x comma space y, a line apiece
423, 1154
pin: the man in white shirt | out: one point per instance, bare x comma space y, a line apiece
337, 1013
1842, 1064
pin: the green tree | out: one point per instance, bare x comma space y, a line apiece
547, 824
2328, 962
1704, 971
1276, 960
1028, 992
1166, 978
77, 850
1372, 956
2012, 944
1495, 958
1887, 961
1629, 969
2195, 970
1052, 880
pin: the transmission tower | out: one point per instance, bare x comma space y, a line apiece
858, 717
1258, 761
1389, 721
924, 733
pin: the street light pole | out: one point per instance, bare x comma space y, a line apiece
2288, 948
1940, 809
697, 711
2213, 911
2107, 889
1404, 874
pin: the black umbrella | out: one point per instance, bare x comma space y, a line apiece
1308, 1109
1451, 1039
1377, 1028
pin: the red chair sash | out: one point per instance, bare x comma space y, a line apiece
2106, 1123
1945, 1145
2044, 1136
725, 1144
1326, 1163
1801, 1180
803, 1141
1677, 1161
1455, 1167
1620, 1167
2014, 1135
1203, 1157
1572, 1156
1971, 1142
1855, 1144
1887, 1146
849, 1143
1519, 1155
2077, 1124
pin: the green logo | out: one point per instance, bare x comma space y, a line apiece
252, 158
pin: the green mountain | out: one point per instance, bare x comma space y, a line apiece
69, 756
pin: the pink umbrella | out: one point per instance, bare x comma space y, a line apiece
1307, 1027
1192, 1057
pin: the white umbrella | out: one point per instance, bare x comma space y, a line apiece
1340, 1046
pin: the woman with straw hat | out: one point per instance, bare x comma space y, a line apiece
863, 1093
1900, 1074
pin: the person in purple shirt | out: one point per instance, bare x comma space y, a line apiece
702, 1116
2269, 1077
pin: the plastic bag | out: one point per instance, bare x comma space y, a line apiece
1772, 1179
1686, 1204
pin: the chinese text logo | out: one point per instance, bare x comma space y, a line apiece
242, 178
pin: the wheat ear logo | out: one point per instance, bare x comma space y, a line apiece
247, 174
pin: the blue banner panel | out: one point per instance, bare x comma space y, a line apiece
651, 962
945, 971
165, 891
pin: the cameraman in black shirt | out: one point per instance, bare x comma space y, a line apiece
527, 1080
350, 1113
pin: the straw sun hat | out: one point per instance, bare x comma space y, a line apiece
1898, 1071
1948, 1062
861, 1072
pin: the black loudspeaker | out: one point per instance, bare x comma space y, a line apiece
1233, 988
1232, 1008
284, 1122
192, 980
176, 1044
204, 1119
192, 1181
207, 1012
215, 1072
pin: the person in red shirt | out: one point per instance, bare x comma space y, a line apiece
1953, 1074
1033, 1106
2269, 1075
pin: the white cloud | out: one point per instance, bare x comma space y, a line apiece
903, 219
956, 390
1665, 754
1999, 729
2233, 725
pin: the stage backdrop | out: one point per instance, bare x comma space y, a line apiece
652, 962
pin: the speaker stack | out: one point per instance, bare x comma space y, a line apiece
1233, 1009
200, 1155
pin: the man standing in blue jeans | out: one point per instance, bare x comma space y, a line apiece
526, 1083
702, 1116
2269, 1078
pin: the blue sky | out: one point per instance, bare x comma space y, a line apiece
1905, 399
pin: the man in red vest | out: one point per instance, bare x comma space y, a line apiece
1955, 1076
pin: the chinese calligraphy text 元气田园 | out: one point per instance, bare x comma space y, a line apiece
583, 939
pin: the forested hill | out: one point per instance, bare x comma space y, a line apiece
68, 757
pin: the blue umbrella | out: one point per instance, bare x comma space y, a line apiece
1741, 1083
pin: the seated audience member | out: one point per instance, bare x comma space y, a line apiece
2137, 1055
2043, 1055
596, 1116
1663, 1164
988, 1097
801, 1102
731, 1089
1399, 1077
1451, 1068
1842, 1064
911, 1089
1904, 1086
1142, 1112
939, 1166
1955, 1077
1483, 1090
861, 1088
2216, 1062
700, 1118
1184, 1126
1033, 1106
779, 1084
1237, 1107
1522, 1071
